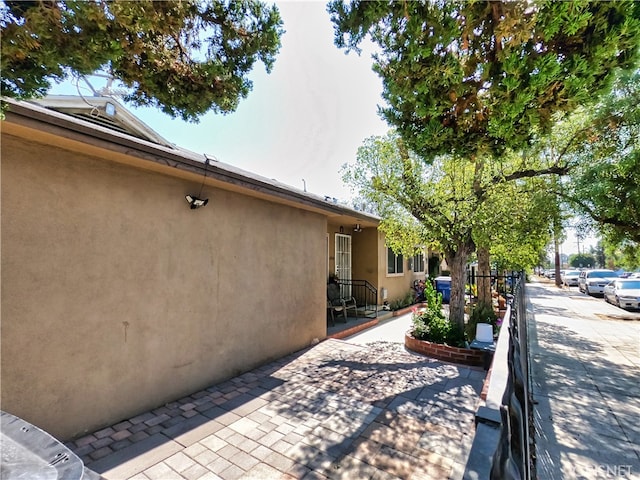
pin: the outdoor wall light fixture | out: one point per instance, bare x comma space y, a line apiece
357, 228
197, 201
341, 229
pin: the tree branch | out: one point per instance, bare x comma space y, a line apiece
609, 220
529, 173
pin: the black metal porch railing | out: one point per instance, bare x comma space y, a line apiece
366, 295
513, 457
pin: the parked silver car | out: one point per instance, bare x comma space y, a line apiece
624, 292
593, 281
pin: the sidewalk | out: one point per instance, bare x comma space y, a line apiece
338, 410
585, 368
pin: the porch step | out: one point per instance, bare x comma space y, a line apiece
369, 311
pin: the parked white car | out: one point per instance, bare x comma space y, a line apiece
624, 292
593, 282
570, 278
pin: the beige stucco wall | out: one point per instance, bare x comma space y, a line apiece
397, 285
365, 256
117, 298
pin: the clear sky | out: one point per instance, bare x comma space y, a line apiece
304, 120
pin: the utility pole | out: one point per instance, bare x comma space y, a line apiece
556, 246
557, 229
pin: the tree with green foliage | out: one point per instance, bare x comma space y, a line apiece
438, 205
528, 207
475, 80
582, 260
604, 180
475, 77
419, 204
185, 57
625, 254
511, 224
598, 146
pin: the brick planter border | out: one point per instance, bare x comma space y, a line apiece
464, 356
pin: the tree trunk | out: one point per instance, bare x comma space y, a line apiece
457, 261
484, 276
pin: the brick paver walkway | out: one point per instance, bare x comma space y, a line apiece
337, 410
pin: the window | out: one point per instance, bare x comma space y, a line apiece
395, 263
418, 262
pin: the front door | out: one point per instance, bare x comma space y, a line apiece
343, 262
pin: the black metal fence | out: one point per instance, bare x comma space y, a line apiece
503, 284
513, 458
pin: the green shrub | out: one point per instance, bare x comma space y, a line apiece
402, 302
432, 298
431, 324
481, 313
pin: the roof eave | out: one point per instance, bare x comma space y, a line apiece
33, 116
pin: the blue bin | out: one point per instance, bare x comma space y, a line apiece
443, 286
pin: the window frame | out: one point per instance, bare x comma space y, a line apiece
418, 259
396, 257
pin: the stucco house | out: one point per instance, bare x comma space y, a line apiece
118, 296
